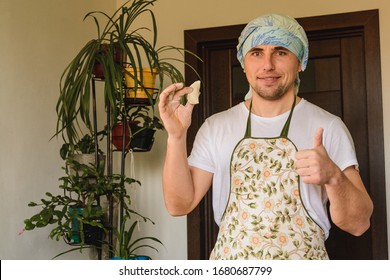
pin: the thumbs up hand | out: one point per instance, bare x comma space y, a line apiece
314, 165
317, 143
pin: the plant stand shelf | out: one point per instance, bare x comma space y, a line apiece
129, 103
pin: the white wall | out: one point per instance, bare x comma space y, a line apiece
30, 165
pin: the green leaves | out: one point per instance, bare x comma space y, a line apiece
75, 91
128, 244
82, 189
115, 34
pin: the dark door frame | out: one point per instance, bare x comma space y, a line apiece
200, 241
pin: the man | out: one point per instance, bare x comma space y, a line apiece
274, 160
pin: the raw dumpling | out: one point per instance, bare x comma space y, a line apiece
193, 97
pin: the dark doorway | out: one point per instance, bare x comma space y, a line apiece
343, 77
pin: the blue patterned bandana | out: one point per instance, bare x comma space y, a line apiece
274, 29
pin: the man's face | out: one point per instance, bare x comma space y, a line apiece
271, 70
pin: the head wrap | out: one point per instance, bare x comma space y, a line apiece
274, 29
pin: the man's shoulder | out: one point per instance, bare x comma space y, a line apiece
237, 111
312, 111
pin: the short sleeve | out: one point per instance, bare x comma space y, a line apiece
201, 155
339, 144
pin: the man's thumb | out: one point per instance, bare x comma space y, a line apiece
318, 138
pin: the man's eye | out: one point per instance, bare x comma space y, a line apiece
281, 53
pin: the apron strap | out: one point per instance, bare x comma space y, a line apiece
248, 132
285, 129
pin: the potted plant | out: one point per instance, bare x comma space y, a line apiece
74, 209
121, 43
139, 125
128, 245
76, 215
125, 32
84, 151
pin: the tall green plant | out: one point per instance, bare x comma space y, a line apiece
75, 83
116, 34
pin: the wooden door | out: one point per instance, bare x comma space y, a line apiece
343, 77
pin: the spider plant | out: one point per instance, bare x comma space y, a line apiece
127, 32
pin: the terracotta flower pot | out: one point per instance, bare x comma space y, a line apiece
117, 135
141, 140
97, 70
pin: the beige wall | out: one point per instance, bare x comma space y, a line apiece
43, 36
37, 40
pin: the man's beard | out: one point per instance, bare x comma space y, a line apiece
272, 94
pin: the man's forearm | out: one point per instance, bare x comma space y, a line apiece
350, 205
177, 180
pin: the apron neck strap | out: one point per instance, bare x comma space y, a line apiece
285, 129
248, 132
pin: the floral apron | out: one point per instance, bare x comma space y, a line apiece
265, 217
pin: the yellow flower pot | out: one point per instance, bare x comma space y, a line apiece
148, 81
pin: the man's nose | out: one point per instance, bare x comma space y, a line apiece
268, 62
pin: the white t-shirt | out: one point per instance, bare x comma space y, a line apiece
219, 134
